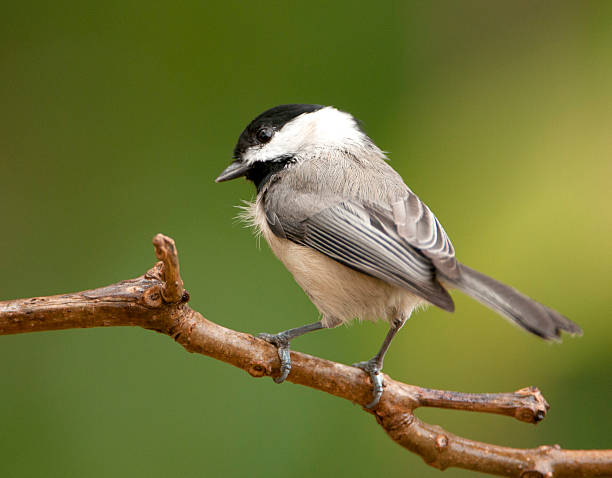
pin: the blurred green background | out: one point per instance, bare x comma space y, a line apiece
115, 119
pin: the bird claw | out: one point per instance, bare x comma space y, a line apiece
281, 342
373, 369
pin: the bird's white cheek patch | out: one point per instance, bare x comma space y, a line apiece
270, 151
289, 140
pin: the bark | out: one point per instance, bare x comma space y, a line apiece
157, 301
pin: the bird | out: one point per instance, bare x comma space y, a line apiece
354, 236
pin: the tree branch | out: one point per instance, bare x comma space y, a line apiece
157, 301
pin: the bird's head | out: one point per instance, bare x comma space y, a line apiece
287, 134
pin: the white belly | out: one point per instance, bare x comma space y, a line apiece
339, 293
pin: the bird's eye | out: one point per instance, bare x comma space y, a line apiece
264, 135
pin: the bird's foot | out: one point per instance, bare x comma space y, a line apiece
373, 368
281, 342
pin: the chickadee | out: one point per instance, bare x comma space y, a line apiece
357, 240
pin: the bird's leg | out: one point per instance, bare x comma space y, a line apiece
375, 364
281, 341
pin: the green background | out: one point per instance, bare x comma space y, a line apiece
115, 118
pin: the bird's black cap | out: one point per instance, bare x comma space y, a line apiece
274, 118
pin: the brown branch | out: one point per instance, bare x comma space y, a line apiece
157, 301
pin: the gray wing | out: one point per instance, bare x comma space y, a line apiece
401, 245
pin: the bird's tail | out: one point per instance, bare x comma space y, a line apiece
509, 302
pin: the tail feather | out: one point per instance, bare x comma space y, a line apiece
507, 301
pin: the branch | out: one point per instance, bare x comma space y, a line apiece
157, 301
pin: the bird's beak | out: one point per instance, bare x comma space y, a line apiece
235, 170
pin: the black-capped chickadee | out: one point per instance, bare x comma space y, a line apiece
357, 240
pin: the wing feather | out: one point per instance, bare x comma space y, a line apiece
420, 228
